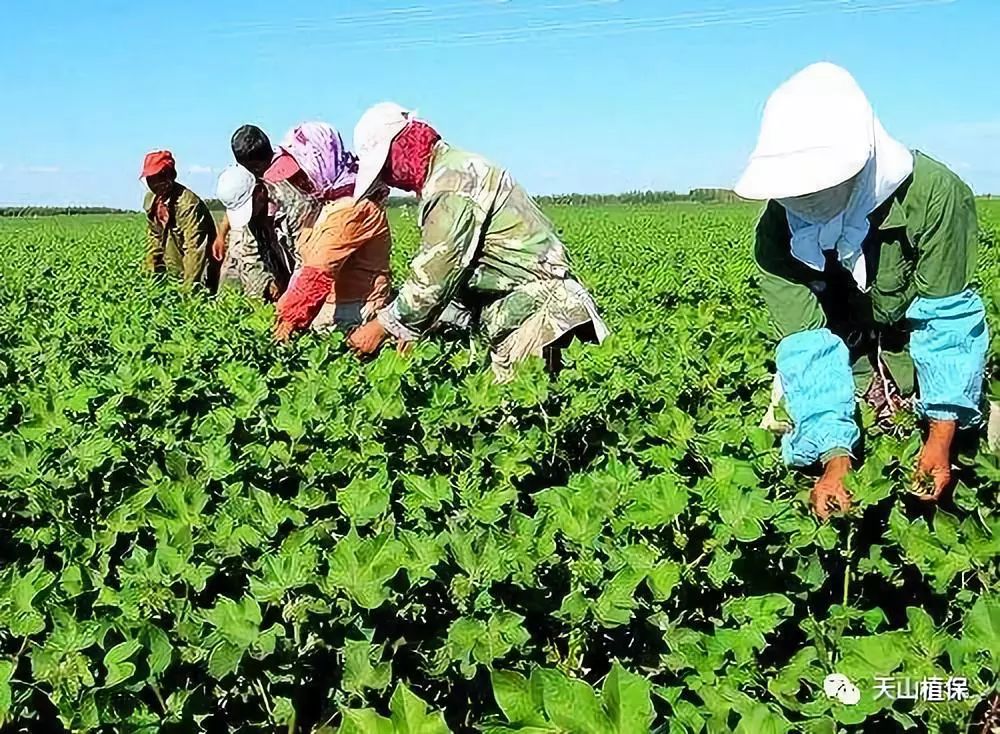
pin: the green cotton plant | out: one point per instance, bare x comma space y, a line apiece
408, 714
549, 702
205, 531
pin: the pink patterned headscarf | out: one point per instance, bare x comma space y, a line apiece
320, 153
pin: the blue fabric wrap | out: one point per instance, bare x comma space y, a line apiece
815, 372
948, 342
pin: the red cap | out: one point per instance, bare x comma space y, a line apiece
282, 168
158, 162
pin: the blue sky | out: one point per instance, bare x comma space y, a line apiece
570, 95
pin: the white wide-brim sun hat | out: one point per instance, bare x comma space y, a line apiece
235, 191
373, 136
816, 133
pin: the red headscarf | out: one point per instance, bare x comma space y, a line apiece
410, 156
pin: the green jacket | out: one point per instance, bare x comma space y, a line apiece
488, 249
923, 242
181, 248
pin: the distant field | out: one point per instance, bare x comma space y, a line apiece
201, 531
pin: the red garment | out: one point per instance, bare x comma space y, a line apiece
341, 193
305, 297
157, 162
160, 211
410, 155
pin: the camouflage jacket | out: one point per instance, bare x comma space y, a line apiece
255, 259
486, 248
180, 247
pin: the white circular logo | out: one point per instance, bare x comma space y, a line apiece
840, 687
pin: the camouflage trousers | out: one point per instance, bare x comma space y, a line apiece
251, 266
534, 317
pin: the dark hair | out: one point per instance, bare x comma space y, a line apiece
250, 143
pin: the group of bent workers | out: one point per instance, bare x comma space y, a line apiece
866, 252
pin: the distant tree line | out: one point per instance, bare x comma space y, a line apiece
48, 211
642, 197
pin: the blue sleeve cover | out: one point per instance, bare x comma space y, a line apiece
815, 372
949, 341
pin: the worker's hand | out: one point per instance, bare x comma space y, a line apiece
219, 249
934, 465
830, 494
283, 331
404, 348
368, 338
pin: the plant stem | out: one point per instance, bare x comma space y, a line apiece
847, 570
297, 632
694, 564
159, 697
263, 696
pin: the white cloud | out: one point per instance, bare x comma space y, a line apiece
196, 170
41, 169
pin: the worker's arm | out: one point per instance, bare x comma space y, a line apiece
197, 233
813, 363
450, 235
154, 247
154, 238
221, 238
949, 338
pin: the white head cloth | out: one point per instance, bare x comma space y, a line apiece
820, 134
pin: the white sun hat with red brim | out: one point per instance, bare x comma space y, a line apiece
818, 130
373, 136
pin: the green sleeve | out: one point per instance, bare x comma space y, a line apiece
154, 247
154, 238
792, 305
947, 244
450, 232
197, 232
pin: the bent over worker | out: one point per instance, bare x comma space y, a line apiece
291, 203
485, 247
867, 252
252, 150
180, 227
255, 259
344, 279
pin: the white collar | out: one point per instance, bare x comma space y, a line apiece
889, 165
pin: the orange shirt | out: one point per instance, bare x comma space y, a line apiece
351, 241
348, 246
